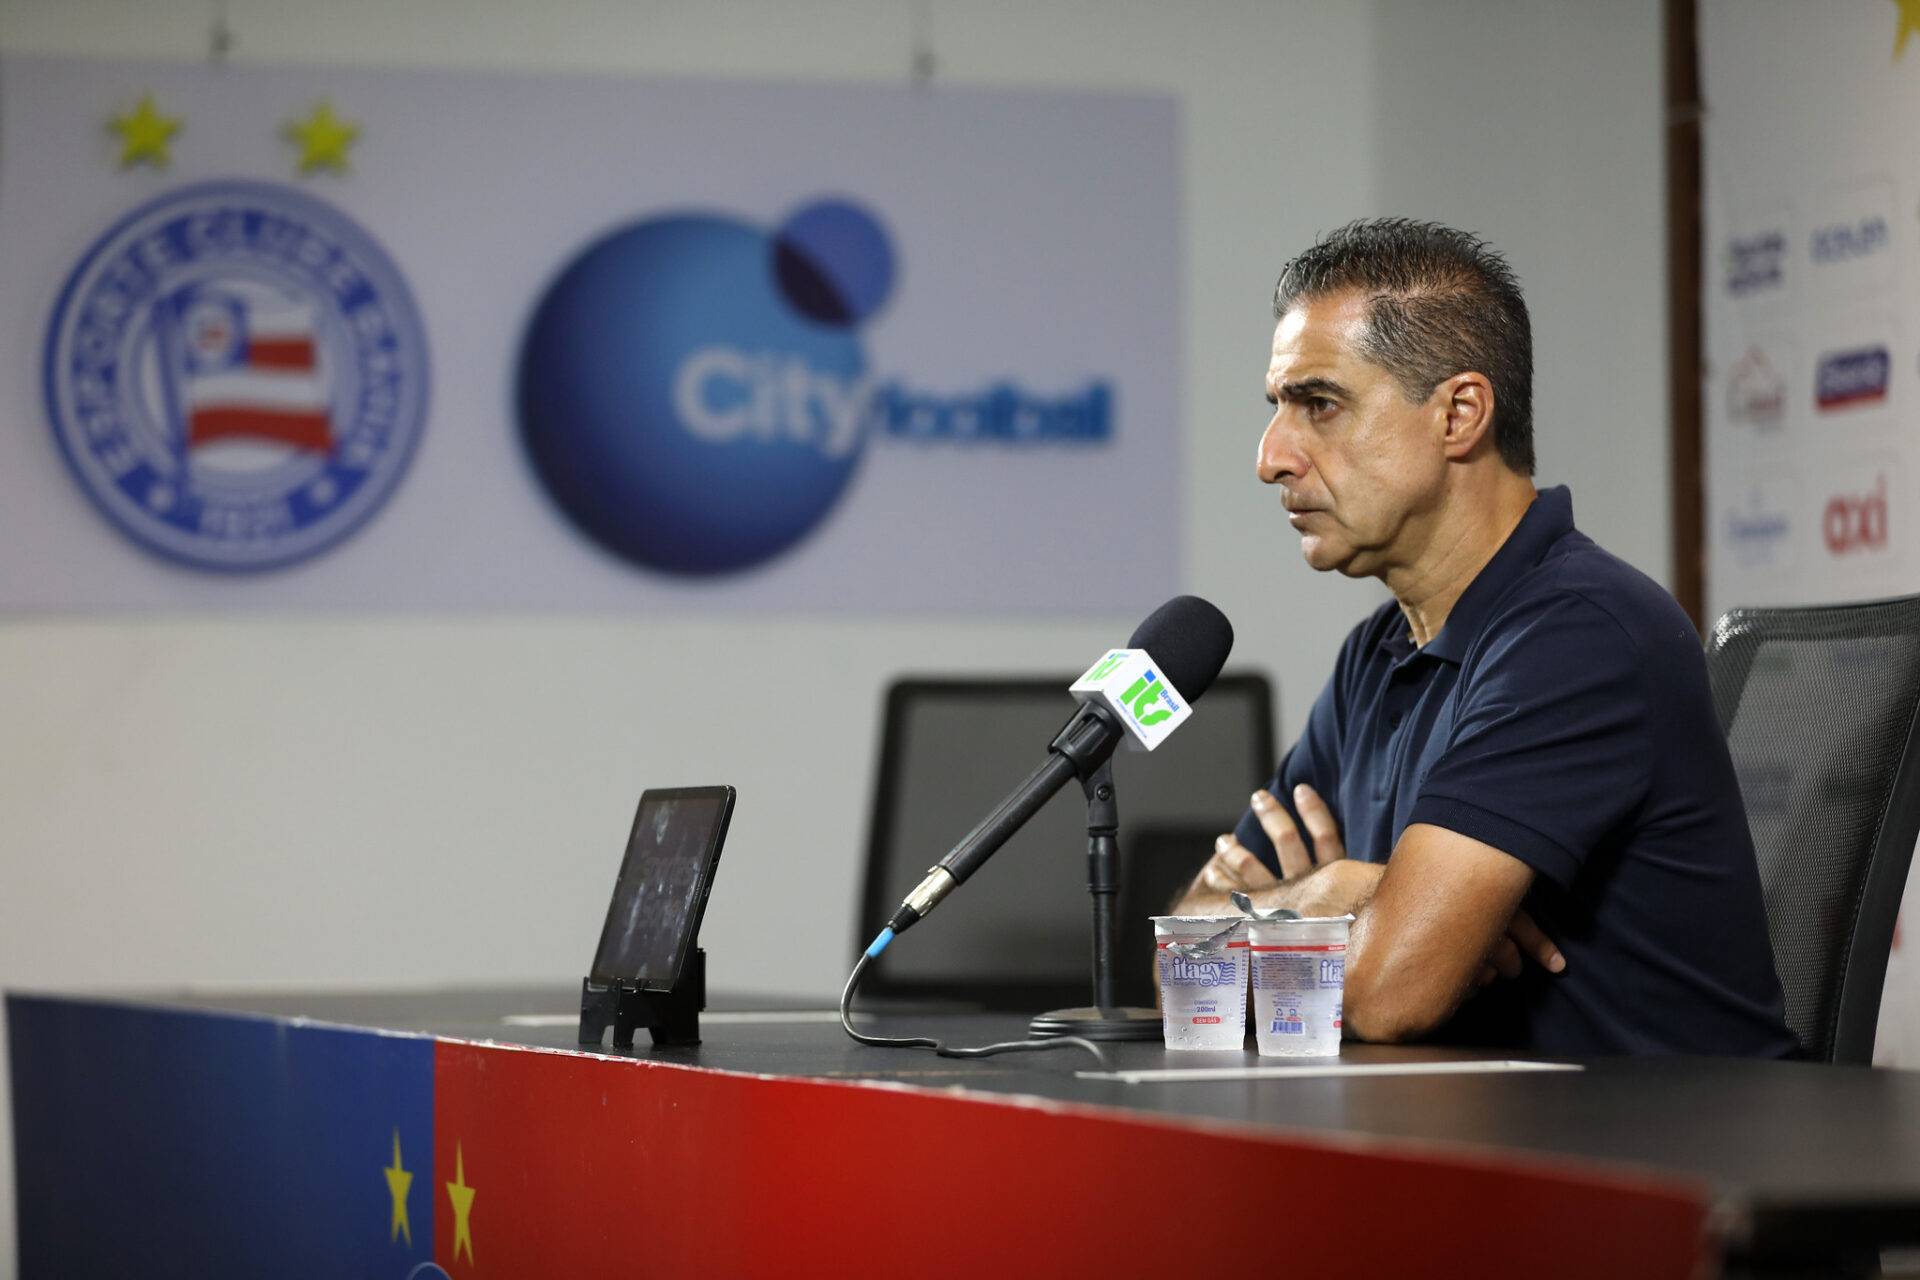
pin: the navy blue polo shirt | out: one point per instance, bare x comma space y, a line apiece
1562, 715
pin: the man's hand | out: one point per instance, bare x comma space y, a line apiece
1295, 862
1323, 882
1522, 941
1233, 868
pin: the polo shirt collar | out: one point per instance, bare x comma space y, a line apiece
1548, 519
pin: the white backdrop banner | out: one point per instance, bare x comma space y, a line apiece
1812, 314
304, 337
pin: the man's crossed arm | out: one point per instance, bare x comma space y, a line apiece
1440, 918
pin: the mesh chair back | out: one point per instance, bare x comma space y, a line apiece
1019, 933
1818, 705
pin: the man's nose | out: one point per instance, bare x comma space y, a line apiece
1279, 457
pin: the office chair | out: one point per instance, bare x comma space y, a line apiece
1819, 708
1019, 933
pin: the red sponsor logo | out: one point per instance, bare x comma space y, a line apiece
1856, 522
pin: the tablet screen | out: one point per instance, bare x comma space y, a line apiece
663, 884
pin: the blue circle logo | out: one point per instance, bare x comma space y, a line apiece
692, 391
236, 375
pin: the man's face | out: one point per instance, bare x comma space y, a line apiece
1359, 467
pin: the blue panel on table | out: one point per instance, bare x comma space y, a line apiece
178, 1143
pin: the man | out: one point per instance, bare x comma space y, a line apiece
1515, 778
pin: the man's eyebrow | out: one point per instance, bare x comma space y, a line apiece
1310, 388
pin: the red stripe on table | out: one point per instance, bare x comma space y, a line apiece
576, 1157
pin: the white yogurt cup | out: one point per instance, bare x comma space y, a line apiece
1203, 980
1299, 984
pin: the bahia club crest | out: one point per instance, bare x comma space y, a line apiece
236, 375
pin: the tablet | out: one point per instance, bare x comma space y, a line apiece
662, 889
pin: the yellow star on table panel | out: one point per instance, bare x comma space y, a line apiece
144, 134
398, 1181
323, 139
1909, 24
462, 1196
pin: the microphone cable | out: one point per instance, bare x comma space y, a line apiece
923, 1042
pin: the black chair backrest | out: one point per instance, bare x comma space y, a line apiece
1819, 708
1159, 861
1018, 934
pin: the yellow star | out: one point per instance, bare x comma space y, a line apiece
398, 1180
323, 139
144, 134
462, 1196
1909, 24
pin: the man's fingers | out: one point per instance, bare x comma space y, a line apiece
1294, 859
1533, 944
1219, 877
1327, 844
1244, 864
1486, 977
1234, 867
1505, 958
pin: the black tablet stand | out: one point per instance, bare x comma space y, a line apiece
670, 1017
1104, 1020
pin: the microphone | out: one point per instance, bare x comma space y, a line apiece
1143, 692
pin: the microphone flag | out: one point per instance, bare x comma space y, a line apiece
1138, 694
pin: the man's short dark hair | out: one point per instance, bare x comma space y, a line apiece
1439, 302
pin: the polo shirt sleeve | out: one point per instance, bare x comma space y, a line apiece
1550, 747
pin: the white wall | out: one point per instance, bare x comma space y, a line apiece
414, 800
1539, 127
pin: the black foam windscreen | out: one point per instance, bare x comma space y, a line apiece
1190, 639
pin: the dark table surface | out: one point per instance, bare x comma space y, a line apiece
1794, 1153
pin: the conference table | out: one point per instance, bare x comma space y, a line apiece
467, 1133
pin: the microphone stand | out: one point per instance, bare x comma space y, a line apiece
1104, 1020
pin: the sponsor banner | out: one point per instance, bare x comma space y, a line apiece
1852, 377
1754, 261
276, 337
235, 375
1763, 389
1849, 242
1864, 515
1758, 526
1855, 375
1813, 292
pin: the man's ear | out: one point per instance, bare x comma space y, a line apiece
1466, 400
